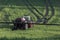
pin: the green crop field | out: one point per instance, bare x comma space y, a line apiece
12, 9
38, 32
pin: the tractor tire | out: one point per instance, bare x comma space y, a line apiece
14, 28
25, 27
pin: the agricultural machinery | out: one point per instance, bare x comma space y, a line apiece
22, 23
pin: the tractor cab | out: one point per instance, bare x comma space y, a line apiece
27, 18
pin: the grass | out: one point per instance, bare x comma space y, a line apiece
37, 32
12, 10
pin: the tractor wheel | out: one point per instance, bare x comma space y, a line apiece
25, 27
14, 28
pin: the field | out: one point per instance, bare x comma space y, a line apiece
10, 10
38, 32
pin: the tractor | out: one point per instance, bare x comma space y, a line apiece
22, 23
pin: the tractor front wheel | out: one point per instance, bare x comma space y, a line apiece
25, 27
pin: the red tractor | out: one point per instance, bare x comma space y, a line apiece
22, 23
